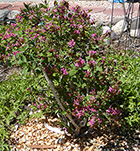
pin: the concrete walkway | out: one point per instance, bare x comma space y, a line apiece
12, 5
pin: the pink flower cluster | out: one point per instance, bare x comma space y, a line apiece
71, 43
112, 111
64, 71
92, 53
93, 120
80, 62
92, 63
15, 52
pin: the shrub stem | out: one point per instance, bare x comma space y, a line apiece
57, 99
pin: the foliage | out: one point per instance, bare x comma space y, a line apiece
130, 87
18, 96
84, 74
74, 59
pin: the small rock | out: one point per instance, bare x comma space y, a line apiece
99, 23
12, 14
91, 148
106, 29
135, 32
135, 23
116, 20
4, 13
88, 144
107, 41
60, 141
117, 28
114, 36
92, 141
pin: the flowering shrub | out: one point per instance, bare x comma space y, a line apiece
75, 62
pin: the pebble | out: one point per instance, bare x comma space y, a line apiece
43, 136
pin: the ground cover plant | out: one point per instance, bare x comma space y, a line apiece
86, 77
19, 95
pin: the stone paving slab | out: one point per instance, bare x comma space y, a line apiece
3, 6
117, 11
96, 9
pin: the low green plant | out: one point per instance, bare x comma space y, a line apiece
130, 86
18, 96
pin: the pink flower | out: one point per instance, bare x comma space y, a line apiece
79, 114
55, 11
76, 102
92, 121
80, 62
77, 32
92, 110
64, 71
45, 106
110, 89
92, 52
87, 74
76, 64
71, 43
119, 91
113, 111
7, 47
92, 98
27, 88
80, 26
93, 35
99, 121
92, 63
39, 106
15, 52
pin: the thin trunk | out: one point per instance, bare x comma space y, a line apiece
57, 99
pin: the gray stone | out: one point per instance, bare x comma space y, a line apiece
107, 41
105, 29
12, 14
135, 33
60, 141
114, 36
116, 20
117, 28
4, 13
99, 23
135, 23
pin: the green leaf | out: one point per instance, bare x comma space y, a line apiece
24, 58
72, 72
56, 111
88, 124
24, 71
90, 10
83, 85
44, 6
63, 112
33, 65
86, 67
48, 18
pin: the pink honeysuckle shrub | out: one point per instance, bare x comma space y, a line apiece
78, 63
